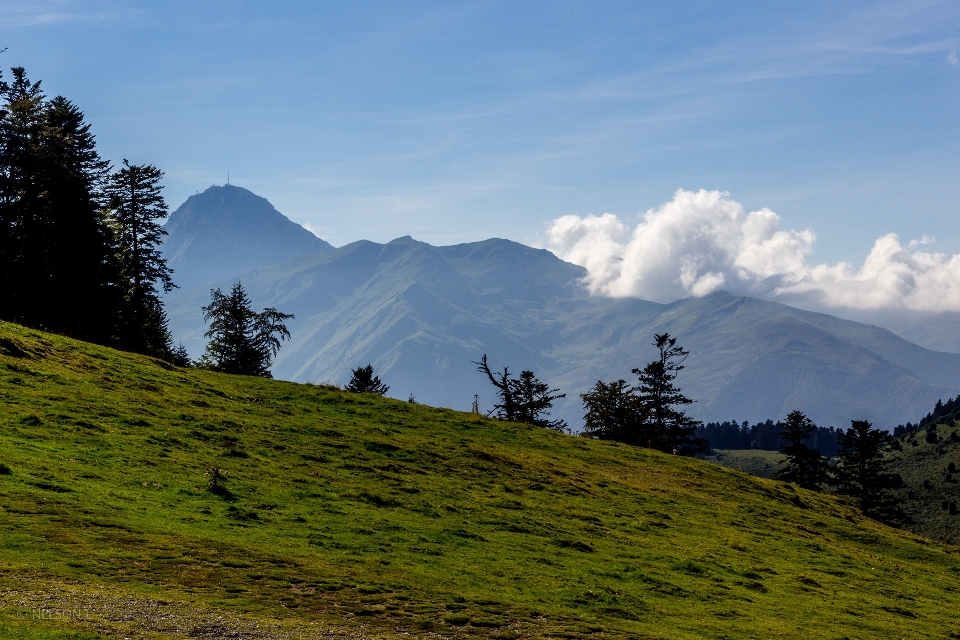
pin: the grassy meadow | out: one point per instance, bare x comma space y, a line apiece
356, 516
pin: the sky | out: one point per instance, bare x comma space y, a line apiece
573, 126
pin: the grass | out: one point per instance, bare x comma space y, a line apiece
370, 517
757, 462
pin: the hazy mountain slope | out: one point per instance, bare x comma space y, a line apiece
753, 359
422, 314
937, 331
226, 231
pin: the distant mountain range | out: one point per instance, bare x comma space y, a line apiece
421, 314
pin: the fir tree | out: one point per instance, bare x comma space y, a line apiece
614, 412
863, 473
363, 381
136, 204
181, 357
57, 267
534, 400
524, 399
242, 341
804, 466
666, 428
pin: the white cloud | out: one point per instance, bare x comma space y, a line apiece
702, 241
952, 58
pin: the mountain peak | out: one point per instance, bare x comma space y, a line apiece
227, 231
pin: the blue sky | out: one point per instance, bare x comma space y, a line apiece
455, 122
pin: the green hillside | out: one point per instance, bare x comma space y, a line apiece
931, 492
369, 517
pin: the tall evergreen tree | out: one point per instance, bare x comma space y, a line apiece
56, 252
241, 341
863, 473
667, 428
804, 466
614, 412
137, 204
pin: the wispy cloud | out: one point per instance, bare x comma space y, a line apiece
59, 12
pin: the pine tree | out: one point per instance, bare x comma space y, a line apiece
363, 381
667, 428
136, 203
534, 400
181, 357
524, 399
863, 473
804, 466
614, 412
242, 341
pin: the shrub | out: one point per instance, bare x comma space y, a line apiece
4, 470
216, 482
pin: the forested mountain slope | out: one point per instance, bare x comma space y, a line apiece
357, 516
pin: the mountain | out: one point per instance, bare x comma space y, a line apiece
933, 330
422, 314
339, 515
226, 231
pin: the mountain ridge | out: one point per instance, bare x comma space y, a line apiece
423, 314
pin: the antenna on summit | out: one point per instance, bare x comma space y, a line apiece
228, 177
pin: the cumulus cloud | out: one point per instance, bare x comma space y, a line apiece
702, 241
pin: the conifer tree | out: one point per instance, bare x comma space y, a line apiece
614, 412
181, 357
863, 473
136, 203
666, 427
523, 399
534, 400
57, 268
804, 466
242, 341
363, 381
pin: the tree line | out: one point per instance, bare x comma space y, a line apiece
80, 243
78, 240
764, 435
943, 413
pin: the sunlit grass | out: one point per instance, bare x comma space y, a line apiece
352, 510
